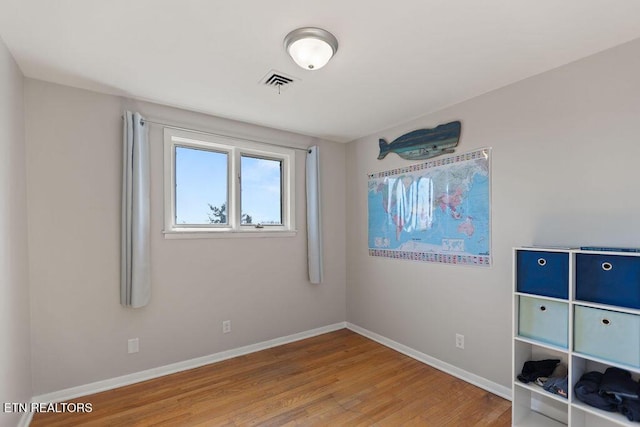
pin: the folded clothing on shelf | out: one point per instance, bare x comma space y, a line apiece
612, 391
587, 389
630, 409
534, 369
557, 385
618, 383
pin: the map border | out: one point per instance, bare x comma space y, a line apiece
442, 257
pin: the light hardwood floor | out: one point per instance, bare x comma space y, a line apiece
335, 379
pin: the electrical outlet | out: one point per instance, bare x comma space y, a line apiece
133, 345
226, 326
460, 341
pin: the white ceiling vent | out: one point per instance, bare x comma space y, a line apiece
278, 80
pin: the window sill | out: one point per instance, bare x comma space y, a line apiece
226, 234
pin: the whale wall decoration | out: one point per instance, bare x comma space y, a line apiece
423, 143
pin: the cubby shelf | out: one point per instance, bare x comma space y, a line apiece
547, 315
539, 390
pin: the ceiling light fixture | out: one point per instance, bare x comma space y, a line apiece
311, 48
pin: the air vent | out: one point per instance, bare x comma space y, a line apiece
278, 81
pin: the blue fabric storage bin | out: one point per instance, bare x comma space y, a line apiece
607, 334
608, 279
543, 320
543, 273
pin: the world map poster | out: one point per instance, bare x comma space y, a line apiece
438, 211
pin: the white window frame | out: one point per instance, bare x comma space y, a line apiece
235, 148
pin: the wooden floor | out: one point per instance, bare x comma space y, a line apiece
335, 379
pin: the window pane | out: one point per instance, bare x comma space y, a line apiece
261, 191
201, 187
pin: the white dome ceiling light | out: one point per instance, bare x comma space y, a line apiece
311, 48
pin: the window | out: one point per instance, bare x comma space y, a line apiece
260, 190
217, 186
200, 183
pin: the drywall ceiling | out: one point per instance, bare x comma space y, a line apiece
397, 60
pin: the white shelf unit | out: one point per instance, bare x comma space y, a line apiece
532, 405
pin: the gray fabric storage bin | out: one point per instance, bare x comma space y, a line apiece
607, 334
544, 320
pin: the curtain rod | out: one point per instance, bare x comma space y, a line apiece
143, 121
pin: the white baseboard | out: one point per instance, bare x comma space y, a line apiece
474, 379
25, 420
98, 386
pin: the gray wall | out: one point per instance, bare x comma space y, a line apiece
15, 369
80, 331
566, 156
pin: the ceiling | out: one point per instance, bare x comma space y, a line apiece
397, 60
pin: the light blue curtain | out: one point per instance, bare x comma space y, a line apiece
314, 220
135, 283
